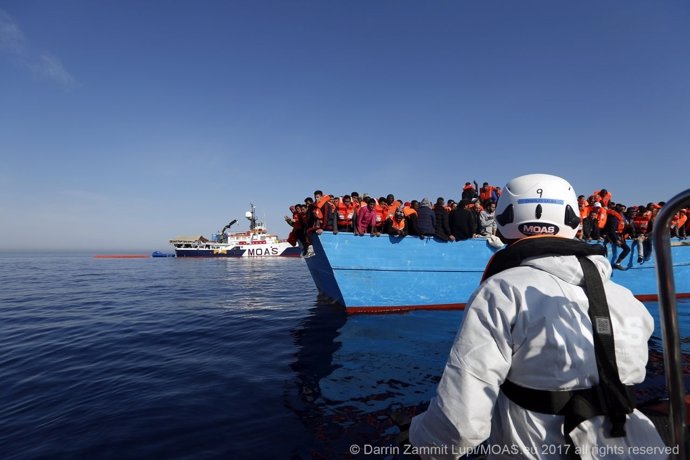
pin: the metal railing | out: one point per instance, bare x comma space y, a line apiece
669, 319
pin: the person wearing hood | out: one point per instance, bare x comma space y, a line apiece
426, 219
528, 371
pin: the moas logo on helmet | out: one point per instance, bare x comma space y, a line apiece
537, 228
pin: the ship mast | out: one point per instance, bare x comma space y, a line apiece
251, 215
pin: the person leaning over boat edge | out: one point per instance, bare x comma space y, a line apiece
526, 345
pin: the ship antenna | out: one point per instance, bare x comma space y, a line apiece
252, 217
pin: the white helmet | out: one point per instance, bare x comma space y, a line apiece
537, 204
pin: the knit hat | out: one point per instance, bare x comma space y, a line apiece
425, 202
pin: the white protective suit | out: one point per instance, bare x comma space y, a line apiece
530, 324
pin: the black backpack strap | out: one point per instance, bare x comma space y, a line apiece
615, 398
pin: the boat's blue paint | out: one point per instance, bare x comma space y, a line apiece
162, 254
365, 273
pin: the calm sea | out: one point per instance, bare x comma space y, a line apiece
209, 358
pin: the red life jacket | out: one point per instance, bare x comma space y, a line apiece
296, 221
485, 193
345, 213
601, 217
641, 223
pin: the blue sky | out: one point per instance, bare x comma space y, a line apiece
126, 123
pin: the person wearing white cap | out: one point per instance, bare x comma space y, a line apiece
548, 347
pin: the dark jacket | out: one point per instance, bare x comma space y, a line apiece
426, 221
462, 223
442, 225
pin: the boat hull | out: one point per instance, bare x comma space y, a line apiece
379, 274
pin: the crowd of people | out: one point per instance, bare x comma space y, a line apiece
472, 216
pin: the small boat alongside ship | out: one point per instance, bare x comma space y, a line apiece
255, 243
378, 274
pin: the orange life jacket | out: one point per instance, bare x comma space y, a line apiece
605, 200
682, 219
641, 223
393, 207
398, 225
621, 220
485, 193
674, 220
584, 212
345, 213
408, 211
319, 205
380, 214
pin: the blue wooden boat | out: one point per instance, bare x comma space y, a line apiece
380, 274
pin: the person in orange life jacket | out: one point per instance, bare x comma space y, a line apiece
601, 216
344, 214
426, 219
604, 197
355, 201
531, 335
381, 208
324, 212
583, 206
366, 219
678, 225
613, 232
411, 217
395, 224
486, 194
393, 205
640, 232
297, 232
469, 192
442, 225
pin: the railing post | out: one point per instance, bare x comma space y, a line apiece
669, 319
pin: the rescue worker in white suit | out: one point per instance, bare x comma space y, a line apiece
526, 359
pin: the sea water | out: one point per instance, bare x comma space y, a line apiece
209, 358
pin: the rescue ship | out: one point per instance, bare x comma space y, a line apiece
256, 242
378, 274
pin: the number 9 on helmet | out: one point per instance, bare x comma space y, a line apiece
537, 204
